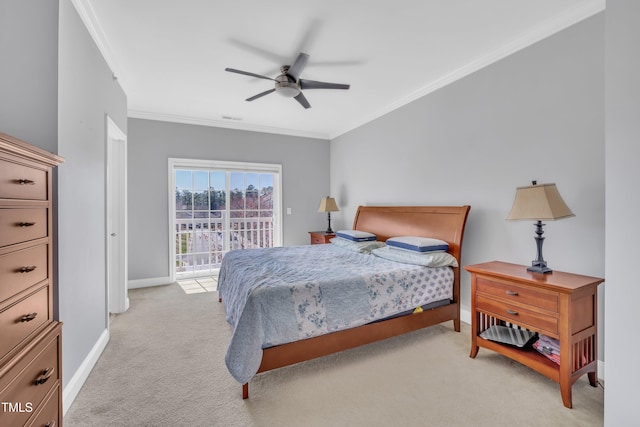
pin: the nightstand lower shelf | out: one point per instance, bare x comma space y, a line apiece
527, 356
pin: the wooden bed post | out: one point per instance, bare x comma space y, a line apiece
245, 391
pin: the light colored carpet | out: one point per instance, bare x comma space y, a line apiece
164, 366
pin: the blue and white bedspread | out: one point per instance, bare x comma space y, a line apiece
278, 295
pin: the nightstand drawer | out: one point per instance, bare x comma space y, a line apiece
320, 237
22, 269
519, 294
518, 315
318, 240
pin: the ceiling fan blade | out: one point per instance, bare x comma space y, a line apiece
268, 55
298, 66
312, 84
260, 95
302, 100
246, 73
310, 35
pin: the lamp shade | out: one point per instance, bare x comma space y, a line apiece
539, 202
328, 204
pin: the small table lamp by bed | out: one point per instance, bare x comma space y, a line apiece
328, 205
539, 202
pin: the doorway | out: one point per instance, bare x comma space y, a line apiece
116, 227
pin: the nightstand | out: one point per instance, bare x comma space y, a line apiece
560, 305
321, 237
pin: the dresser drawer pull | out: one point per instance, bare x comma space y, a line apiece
27, 269
26, 224
512, 293
512, 312
25, 181
28, 317
46, 374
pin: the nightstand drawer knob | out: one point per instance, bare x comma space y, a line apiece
512, 293
512, 312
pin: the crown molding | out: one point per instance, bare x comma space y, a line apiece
201, 121
539, 33
88, 17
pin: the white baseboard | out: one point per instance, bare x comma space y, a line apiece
601, 370
145, 283
465, 316
72, 389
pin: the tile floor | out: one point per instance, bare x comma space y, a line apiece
199, 284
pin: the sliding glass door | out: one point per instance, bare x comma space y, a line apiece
218, 207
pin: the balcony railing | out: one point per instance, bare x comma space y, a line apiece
202, 243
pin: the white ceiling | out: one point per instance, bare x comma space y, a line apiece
170, 55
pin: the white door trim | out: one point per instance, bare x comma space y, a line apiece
116, 220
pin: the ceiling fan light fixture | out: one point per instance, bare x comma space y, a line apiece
286, 87
288, 92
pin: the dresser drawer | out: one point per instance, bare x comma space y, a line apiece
47, 414
518, 315
22, 182
22, 269
21, 319
519, 294
29, 381
22, 225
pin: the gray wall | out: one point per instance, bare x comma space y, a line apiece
623, 205
305, 180
87, 94
537, 114
29, 71
44, 44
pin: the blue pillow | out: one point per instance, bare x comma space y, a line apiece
418, 244
356, 235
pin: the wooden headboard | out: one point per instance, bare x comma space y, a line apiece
441, 222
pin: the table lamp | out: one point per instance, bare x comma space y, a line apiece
539, 202
328, 205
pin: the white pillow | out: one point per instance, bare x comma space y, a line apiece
356, 235
428, 259
362, 247
418, 244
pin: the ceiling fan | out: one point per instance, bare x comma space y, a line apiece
289, 84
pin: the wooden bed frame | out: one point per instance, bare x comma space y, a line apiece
441, 222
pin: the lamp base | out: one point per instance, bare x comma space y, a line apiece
537, 267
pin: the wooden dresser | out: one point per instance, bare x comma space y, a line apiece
30, 343
560, 305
